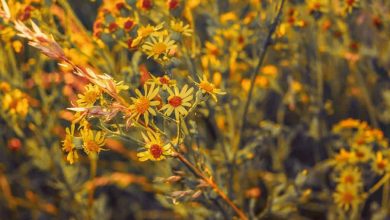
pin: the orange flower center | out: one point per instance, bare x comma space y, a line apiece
359, 154
156, 151
206, 86
349, 179
142, 105
159, 48
164, 80
350, 2
92, 146
175, 101
347, 197
381, 164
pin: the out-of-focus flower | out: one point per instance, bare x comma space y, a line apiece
146, 31
346, 197
350, 176
209, 88
15, 103
163, 81
181, 28
380, 165
68, 145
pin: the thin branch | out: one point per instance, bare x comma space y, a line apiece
212, 184
263, 52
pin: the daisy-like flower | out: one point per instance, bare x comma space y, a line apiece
163, 81
92, 141
350, 176
159, 47
361, 154
346, 197
68, 145
209, 88
155, 149
342, 158
144, 32
181, 28
143, 105
380, 165
90, 96
178, 101
349, 5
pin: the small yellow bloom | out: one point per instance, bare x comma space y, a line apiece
159, 47
163, 81
380, 165
346, 197
361, 154
342, 158
144, 32
68, 145
143, 105
15, 103
209, 88
155, 149
178, 101
91, 94
179, 27
350, 176
92, 141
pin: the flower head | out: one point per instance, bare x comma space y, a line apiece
143, 105
90, 96
92, 141
380, 165
15, 103
178, 101
68, 145
181, 28
155, 149
350, 176
159, 47
144, 32
209, 88
346, 197
163, 81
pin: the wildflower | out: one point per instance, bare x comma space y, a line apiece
15, 103
178, 101
159, 48
209, 88
380, 164
163, 81
68, 145
155, 148
144, 32
342, 158
90, 96
92, 141
143, 105
346, 197
179, 27
350, 176
361, 154
349, 5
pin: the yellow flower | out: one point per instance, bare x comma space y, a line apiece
92, 141
209, 88
143, 105
349, 5
350, 176
89, 97
155, 149
342, 158
361, 154
15, 103
346, 197
179, 27
163, 81
159, 48
380, 164
178, 101
68, 145
144, 32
